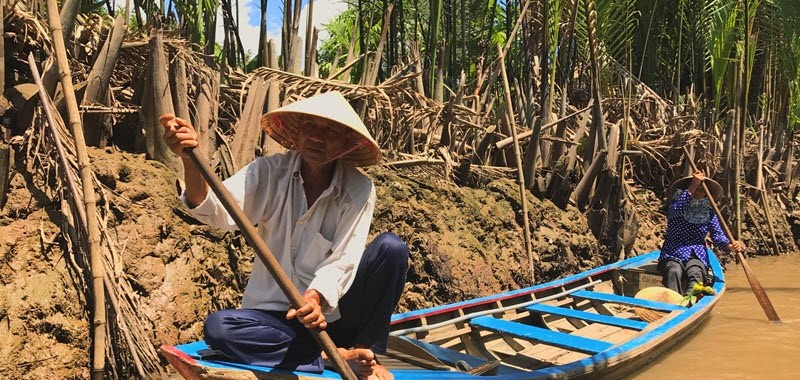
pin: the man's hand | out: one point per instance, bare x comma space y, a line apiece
178, 133
736, 246
310, 315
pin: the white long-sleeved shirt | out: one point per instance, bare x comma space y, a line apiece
319, 247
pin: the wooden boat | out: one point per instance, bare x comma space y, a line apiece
575, 327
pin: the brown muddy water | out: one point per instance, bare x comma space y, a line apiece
737, 341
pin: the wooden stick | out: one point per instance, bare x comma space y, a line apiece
761, 295
504, 142
346, 67
518, 153
376, 66
96, 258
266, 257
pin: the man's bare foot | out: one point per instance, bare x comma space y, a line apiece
381, 373
362, 362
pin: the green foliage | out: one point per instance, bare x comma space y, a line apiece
721, 42
340, 30
671, 44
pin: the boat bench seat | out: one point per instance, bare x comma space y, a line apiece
538, 334
630, 301
587, 316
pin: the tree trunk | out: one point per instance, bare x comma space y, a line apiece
97, 85
788, 160
5, 163
180, 88
269, 146
209, 50
69, 11
162, 104
286, 33
262, 36
295, 56
376, 67
248, 129
596, 138
432, 45
206, 119
584, 188
2, 61
309, 50
314, 73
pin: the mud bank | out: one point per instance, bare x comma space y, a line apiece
464, 242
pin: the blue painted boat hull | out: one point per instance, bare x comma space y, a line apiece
531, 312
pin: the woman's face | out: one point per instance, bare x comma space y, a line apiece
700, 193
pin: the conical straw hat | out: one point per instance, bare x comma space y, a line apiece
683, 183
281, 124
656, 293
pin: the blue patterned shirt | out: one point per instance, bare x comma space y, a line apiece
688, 222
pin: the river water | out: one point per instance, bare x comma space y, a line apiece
737, 341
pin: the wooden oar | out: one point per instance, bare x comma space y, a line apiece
266, 257
761, 295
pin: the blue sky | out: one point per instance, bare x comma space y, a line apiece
250, 18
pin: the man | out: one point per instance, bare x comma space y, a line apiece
683, 261
313, 209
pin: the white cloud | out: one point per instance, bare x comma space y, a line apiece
324, 12
250, 19
249, 24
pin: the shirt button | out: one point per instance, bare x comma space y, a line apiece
294, 248
302, 222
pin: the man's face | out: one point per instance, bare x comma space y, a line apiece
320, 140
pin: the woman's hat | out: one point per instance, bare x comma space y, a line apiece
281, 124
683, 183
656, 293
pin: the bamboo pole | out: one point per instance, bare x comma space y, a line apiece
506, 49
265, 255
2, 55
96, 259
761, 295
520, 173
73, 189
309, 32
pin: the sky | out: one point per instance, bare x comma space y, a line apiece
250, 20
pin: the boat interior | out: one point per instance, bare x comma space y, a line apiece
547, 325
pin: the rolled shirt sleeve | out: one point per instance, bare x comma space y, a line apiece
244, 186
334, 276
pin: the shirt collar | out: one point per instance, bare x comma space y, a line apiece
335, 187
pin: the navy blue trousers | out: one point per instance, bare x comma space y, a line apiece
681, 277
266, 338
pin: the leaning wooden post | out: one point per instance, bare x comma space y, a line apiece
96, 258
520, 174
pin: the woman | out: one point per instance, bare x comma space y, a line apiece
684, 261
